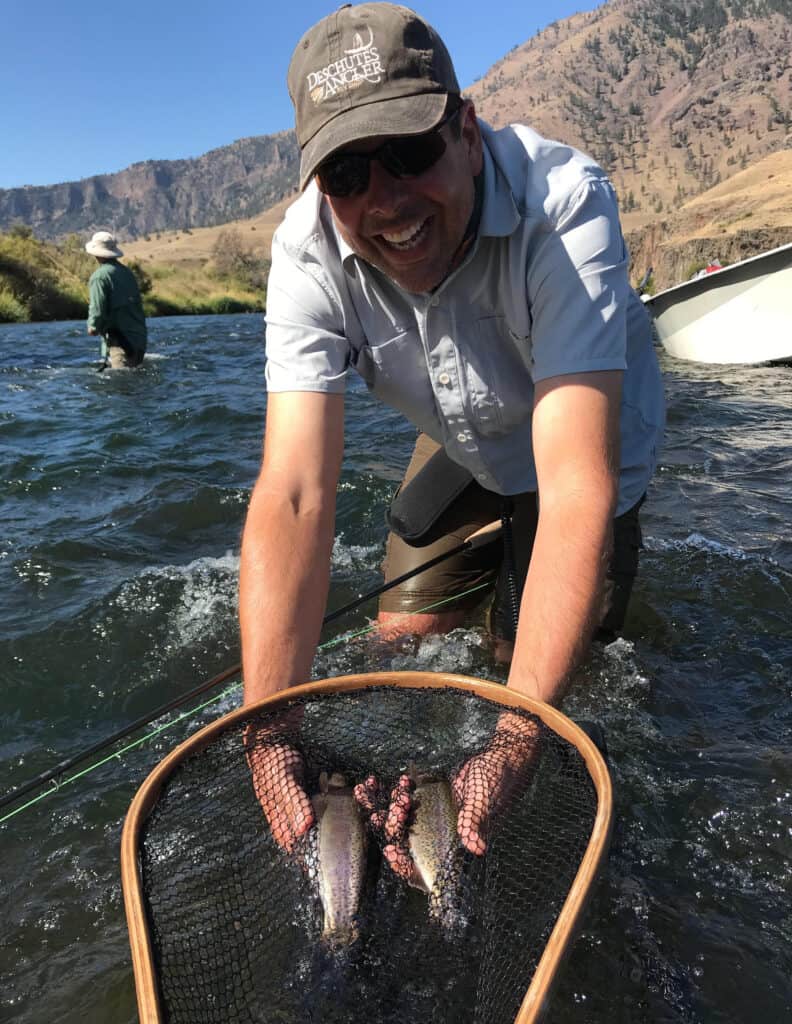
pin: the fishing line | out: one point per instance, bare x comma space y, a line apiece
53, 777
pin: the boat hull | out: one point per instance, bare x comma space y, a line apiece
741, 314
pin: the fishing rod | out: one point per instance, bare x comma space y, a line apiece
485, 535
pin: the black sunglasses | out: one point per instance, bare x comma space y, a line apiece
406, 156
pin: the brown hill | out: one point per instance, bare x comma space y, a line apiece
197, 245
748, 214
671, 98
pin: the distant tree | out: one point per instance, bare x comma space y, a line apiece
231, 258
20, 230
144, 282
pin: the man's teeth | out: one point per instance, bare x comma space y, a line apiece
407, 238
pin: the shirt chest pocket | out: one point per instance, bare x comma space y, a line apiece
497, 369
395, 371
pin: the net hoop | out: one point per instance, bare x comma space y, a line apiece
537, 998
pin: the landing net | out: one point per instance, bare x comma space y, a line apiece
227, 926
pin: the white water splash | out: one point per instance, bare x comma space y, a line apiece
352, 556
208, 593
698, 542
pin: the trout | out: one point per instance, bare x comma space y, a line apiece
433, 837
341, 851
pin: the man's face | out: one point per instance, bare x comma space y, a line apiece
411, 228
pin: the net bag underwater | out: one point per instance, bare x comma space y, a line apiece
227, 925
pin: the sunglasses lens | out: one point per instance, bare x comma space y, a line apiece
345, 175
407, 157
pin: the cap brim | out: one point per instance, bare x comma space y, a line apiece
408, 115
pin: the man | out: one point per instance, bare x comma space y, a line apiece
115, 311
477, 280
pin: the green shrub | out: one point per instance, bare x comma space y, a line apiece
144, 282
12, 311
694, 268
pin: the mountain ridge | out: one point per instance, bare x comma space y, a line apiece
672, 101
242, 179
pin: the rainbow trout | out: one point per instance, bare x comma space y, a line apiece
341, 853
433, 841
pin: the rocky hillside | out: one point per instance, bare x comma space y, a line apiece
743, 216
672, 98
239, 180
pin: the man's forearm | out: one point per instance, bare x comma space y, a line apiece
283, 584
562, 600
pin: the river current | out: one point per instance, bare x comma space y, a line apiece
124, 495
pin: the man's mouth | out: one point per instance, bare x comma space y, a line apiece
408, 238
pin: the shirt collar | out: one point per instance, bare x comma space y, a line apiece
500, 216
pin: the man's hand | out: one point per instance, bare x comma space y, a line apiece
92, 330
392, 821
278, 778
485, 783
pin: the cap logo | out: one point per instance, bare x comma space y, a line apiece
359, 64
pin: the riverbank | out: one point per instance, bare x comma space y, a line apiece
41, 281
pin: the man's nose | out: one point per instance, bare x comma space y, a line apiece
385, 193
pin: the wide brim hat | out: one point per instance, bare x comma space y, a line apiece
104, 244
366, 70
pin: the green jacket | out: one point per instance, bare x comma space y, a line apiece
116, 309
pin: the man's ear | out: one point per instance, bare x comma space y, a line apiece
471, 137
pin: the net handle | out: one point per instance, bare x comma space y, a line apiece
537, 998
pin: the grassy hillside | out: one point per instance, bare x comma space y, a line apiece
48, 281
197, 245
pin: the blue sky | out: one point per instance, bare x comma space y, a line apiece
90, 88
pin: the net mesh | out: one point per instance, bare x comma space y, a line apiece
318, 926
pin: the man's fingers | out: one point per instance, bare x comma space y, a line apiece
474, 797
399, 860
399, 811
289, 821
277, 771
471, 833
367, 795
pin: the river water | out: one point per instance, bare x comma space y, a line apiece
123, 500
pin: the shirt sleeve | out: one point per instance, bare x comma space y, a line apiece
100, 290
307, 349
578, 288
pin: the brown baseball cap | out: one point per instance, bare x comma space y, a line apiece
366, 70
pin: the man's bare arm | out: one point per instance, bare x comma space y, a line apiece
576, 450
287, 541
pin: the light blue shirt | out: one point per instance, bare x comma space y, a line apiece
542, 292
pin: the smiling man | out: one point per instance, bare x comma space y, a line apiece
478, 281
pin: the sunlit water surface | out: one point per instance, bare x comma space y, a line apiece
123, 499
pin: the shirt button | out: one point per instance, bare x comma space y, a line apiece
482, 476
444, 378
462, 436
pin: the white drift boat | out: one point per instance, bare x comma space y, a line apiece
740, 314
